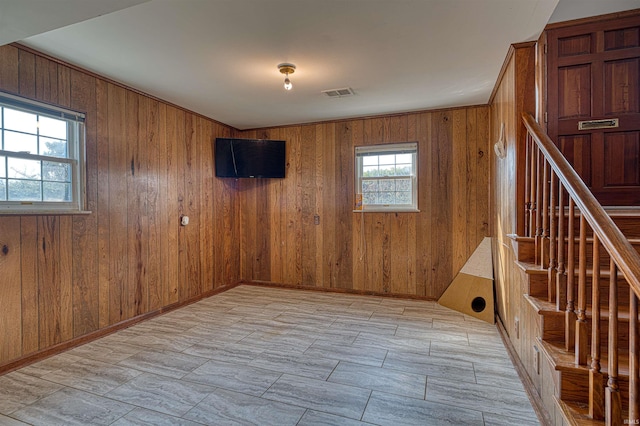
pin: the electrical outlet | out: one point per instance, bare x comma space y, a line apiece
536, 359
316, 219
516, 327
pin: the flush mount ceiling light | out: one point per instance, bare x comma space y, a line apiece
287, 69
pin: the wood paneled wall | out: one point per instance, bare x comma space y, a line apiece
415, 254
148, 163
514, 94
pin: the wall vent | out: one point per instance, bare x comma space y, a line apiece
339, 93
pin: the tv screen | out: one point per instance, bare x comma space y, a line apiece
249, 158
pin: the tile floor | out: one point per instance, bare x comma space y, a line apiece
267, 356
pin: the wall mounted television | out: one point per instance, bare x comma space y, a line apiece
249, 158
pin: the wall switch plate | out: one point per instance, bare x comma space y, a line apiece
516, 326
536, 359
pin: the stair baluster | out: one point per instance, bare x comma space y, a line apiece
539, 207
596, 378
582, 332
560, 278
553, 293
634, 409
531, 188
545, 216
613, 402
570, 313
529, 193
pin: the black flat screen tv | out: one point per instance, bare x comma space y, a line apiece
249, 158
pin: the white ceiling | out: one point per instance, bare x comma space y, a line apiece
219, 57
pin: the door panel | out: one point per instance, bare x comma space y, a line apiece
575, 83
621, 87
577, 150
621, 157
594, 74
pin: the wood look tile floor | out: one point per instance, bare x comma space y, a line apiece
268, 356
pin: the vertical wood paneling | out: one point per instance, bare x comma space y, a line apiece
11, 314
154, 264
119, 169
132, 294
292, 238
27, 74
442, 224
423, 242
393, 253
147, 163
49, 282
66, 277
308, 205
208, 264
319, 203
171, 207
459, 188
514, 95
28, 244
9, 60
85, 228
344, 197
482, 174
102, 147
412, 221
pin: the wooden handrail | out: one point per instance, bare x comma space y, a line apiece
612, 239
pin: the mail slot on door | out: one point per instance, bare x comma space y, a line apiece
598, 124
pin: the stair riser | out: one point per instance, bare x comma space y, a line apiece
630, 226
552, 327
623, 335
562, 291
604, 256
574, 386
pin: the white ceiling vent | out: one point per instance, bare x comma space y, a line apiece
339, 93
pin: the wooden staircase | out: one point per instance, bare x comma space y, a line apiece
582, 269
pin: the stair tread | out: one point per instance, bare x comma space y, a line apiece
623, 212
545, 307
577, 413
531, 268
517, 237
564, 360
632, 240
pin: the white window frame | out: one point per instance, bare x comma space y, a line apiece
386, 149
76, 159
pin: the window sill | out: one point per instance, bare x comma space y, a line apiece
44, 212
387, 210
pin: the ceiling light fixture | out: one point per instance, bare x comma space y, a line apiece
287, 69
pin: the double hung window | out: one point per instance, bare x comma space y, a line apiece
42, 156
386, 177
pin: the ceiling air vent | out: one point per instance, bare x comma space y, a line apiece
339, 93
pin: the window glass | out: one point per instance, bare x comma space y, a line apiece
386, 177
20, 142
20, 121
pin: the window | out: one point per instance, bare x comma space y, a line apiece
41, 157
386, 177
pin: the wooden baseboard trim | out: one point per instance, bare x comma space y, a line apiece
335, 290
530, 389
86, 338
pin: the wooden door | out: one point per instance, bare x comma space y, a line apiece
594, 75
